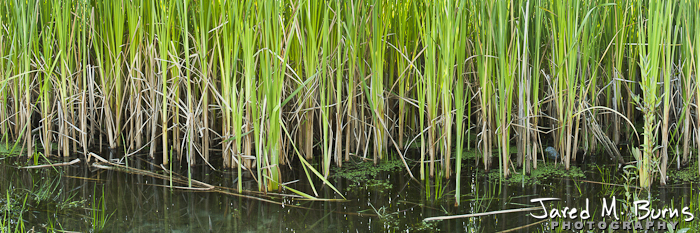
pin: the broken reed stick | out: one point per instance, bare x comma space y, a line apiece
480, 214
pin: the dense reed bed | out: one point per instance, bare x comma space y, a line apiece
262, 83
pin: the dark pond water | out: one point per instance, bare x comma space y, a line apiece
71, 200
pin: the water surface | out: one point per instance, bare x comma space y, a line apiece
389, 202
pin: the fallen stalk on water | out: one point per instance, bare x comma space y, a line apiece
117, 167
53, 165
480, 214
204, 186
595, 182
523, 227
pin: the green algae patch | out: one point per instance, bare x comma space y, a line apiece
541, 173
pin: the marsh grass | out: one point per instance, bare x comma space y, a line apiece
259, 80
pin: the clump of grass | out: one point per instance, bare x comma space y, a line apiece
21, 205
12, 211
388, 219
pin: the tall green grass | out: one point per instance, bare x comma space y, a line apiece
448, 21
5, 70
135, 19
460, 100
376, 86
506, 67
694, 10
108, 44
430, 82
26, 20
46, 77
485, 70
339, 72
687, 19
651, 60
164, 13
202, 29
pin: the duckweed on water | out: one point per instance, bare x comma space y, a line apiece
541, 173
358, 171
687, 174
7, 151
470, 155
12, 150
364, 175
391, 223
374, 185
473, 154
